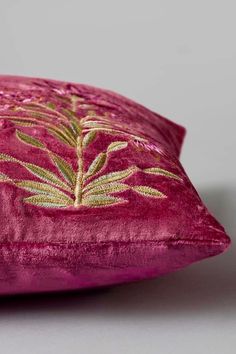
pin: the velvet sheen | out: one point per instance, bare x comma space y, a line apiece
142, 219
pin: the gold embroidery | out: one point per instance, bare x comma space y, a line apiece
81, 187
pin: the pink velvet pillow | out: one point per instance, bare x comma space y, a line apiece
92, 192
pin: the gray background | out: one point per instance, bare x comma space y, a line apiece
178, 58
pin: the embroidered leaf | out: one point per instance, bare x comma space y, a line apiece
91, 116
23, 123
96, 165
68, 113
4, 178
64, 168
89, 138
39, 172
101, 200
62, 136
43, 188
76, 127
46, 201
71, 116
51, 105
39, 115
69, 132
90, 123
161, 172
112, 177
29, 140
5, 157
45, 175
102, 129
42, 109
109, 188
91, 113
74, 100
33, 105
139, 138
117, 145
112, 131
63, 99
87, 106
148, 191
14, 118
95, 124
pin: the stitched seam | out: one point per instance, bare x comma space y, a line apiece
71, 244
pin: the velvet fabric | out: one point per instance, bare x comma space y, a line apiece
92, 191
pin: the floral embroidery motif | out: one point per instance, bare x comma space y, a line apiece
81, 187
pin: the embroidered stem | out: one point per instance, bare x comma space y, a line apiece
79, 152
74, 101
51, 111
80, 172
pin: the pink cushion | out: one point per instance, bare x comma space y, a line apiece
92, 192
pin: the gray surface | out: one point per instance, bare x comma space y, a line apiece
178, 58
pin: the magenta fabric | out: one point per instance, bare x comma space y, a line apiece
92, 192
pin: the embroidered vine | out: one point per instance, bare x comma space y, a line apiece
81, 187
